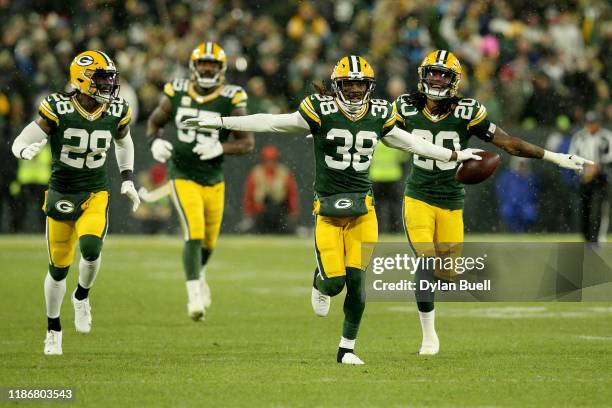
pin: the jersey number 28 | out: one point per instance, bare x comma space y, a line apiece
97, 143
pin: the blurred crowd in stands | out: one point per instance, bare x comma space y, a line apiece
532, 63
526, 60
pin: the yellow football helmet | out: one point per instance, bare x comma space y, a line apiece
353, 68
208, 51
95, 74
440, 75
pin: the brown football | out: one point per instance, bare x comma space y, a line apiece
476, 171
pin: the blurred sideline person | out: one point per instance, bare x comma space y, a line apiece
195, 159
29, 186
346, 124
271, 196
516, 189
594, 142
433, 202
9, 115
79, 127
386, 174
559, 215
154, 210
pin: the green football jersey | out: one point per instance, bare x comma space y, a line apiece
186, 104
343, 146
431, 180
79, 141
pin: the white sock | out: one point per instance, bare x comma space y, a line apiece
54, 294
88, 271
193, 290
428, 320
347, 344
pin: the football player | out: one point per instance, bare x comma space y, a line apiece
195, 159
433, 202
79, 126
346, 124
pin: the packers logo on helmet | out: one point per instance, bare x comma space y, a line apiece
350, 69
208, 76
440, 75
94, 74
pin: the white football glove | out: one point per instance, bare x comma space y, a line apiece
128, 189
566, 161
161, 150
28, 153
210, 122
208, 149
468, 154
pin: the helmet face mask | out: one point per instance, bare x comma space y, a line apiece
353, 82
351, 94
104, 85
208, 64
439, 75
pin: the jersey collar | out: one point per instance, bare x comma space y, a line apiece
191, 91
90, 116
434, 118
353, 117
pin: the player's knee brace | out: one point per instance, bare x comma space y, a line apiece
58, 274
331, 286
91, 247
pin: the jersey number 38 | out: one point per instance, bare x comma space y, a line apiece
343, 158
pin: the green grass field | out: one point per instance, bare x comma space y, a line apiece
261, 345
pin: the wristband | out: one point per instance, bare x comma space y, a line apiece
127, 175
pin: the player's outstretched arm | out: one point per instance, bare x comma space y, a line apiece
260, 122
31, 140
243, 142
124, 152
402, 140
160, 148
519, 147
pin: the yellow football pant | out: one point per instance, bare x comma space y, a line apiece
431, 230
62, 235
200, 210
338, 241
